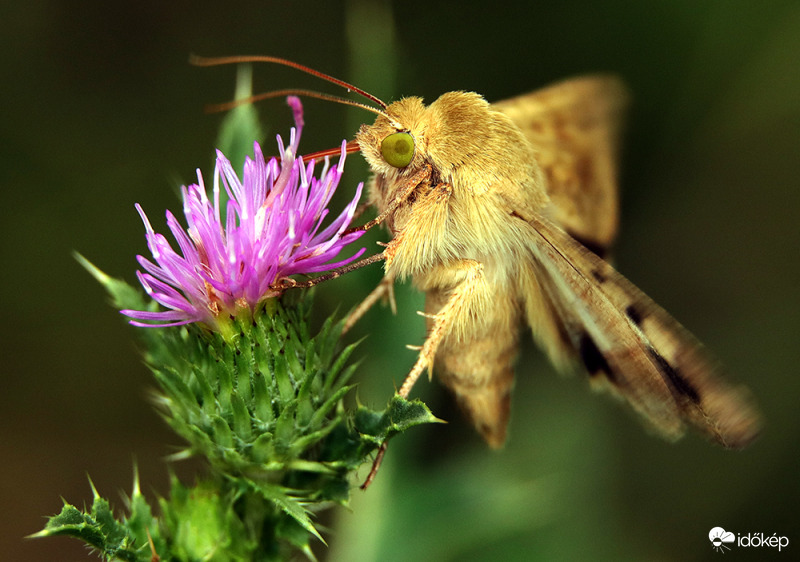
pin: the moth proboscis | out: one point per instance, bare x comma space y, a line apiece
502, 214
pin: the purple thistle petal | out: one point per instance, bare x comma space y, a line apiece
273, 227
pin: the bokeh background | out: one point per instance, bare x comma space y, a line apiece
100, 110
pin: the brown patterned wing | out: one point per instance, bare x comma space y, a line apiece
626, 341
575, 126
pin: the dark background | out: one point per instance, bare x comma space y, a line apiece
101, 110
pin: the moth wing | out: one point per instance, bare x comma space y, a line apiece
575, 127
624, 339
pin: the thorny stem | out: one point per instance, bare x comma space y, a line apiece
385, 289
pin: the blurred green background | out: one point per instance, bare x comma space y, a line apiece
101, 110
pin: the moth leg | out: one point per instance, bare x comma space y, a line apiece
458, 304
360, 210
384, 291
405, 192
456, 307
376, 464
289, 283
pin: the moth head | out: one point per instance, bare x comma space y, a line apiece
397, 149
394, 144
455, 130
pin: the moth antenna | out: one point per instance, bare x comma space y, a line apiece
214, 61
350, 148
218, 107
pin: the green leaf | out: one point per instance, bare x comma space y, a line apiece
327, 406
123, 296
289, 505
333, 381
97, 528
399, 416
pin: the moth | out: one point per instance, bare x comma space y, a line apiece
502, 214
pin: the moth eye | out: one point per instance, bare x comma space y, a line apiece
398, 149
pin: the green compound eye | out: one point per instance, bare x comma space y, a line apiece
398, 149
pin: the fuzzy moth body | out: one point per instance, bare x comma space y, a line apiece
496, 234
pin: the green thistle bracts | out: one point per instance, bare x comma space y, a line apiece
264, 404
259, 403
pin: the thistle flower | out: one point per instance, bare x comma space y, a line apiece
273, 229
